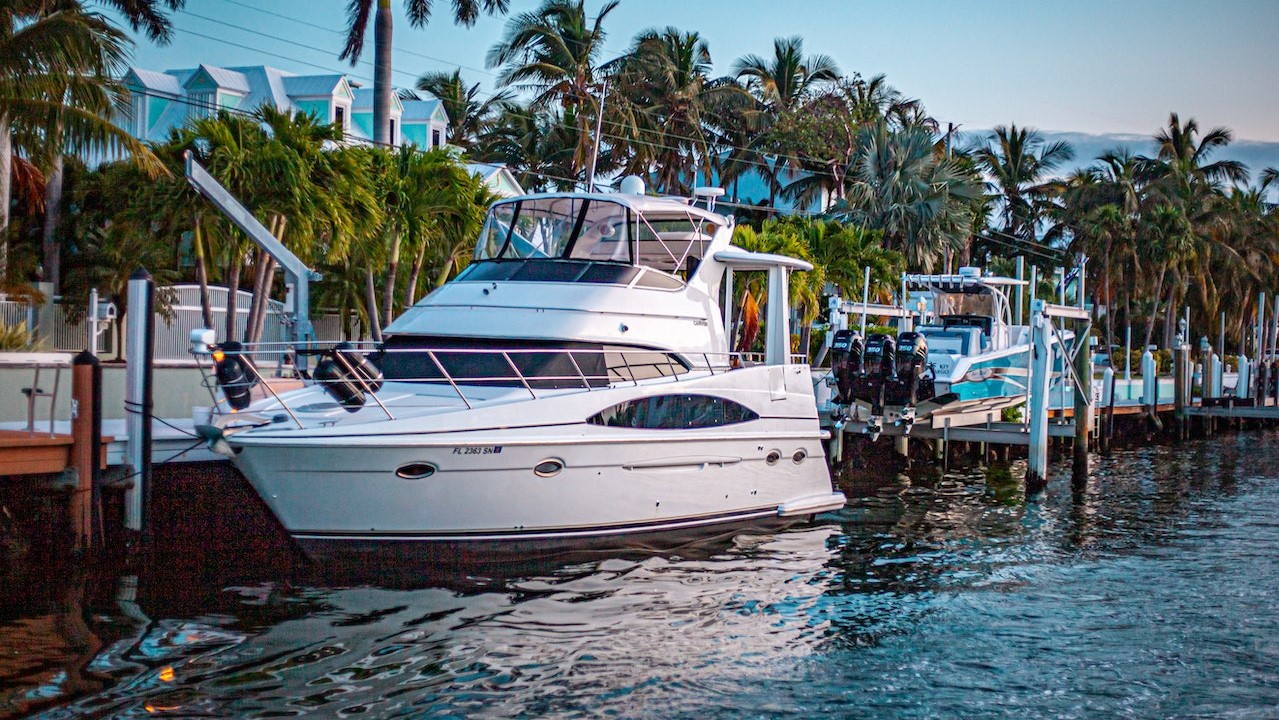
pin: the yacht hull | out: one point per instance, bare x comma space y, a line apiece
492, 487
536, 470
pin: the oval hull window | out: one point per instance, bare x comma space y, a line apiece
799, 456
415, 471
548, 468
773, 457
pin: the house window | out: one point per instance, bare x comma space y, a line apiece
673, 412
339, 117
391, 136
436, 140
203, 105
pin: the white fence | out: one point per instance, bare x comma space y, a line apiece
173, 332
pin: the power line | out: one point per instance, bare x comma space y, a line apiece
325, 28
346, 135
771, 167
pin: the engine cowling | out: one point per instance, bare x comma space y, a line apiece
847, 364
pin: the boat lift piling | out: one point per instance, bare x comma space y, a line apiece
138, 402
1048, 352
1181, 388
1083, 416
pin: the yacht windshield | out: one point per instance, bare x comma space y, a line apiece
594, 229
964, 304
556, 228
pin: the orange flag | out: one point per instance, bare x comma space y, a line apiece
750, 322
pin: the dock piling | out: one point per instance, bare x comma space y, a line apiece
86, 448
1181, 387
1039, 389
140, 346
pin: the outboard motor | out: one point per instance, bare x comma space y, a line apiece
235, 374
881, 357
880, 370
846, 362
364, 371
912, 361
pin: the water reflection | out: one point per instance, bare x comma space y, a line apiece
1147, 593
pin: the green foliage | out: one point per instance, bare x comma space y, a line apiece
16, 337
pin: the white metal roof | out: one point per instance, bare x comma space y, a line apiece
311, 85
740, 259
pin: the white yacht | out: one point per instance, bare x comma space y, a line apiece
966, 356
575, 381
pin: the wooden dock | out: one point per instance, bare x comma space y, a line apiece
33, 453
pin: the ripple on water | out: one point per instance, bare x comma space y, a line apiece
1150, 594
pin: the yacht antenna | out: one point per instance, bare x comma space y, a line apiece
599, 128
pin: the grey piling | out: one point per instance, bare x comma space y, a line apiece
1039, 387
140, 335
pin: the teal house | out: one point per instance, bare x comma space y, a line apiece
160, 101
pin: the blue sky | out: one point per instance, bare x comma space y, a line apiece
1114, 67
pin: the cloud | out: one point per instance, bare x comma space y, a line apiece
1256, 154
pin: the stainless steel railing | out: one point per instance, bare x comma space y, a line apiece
533, 370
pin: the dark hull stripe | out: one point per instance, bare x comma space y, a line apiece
549, 534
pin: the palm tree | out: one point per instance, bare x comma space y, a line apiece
321, 204
804, 288
783, 81
670, 97
420, 190
554, 52
465, 13
55, 59
537, 144
1021, 163
822, 133
781, 85
469, 115
903, 183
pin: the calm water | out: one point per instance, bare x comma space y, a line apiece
1151, 595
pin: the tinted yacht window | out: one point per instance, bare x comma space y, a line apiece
673, 412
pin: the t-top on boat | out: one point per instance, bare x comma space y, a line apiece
966, 357
575, 381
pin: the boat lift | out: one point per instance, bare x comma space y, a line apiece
1059, 363
296, 272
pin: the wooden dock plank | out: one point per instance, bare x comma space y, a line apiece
24, 453
37, 453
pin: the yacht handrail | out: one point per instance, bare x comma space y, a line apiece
632, 363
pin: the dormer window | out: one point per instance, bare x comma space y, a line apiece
339, 117
202, 104
436, 140
391, 135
